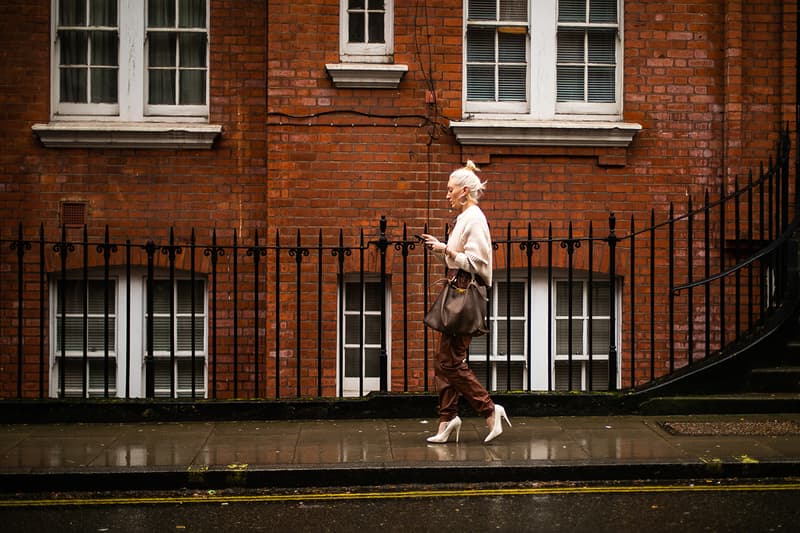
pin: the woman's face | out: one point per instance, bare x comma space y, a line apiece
456, 194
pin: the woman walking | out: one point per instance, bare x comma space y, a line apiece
467, 253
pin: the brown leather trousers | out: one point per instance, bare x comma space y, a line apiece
452, 376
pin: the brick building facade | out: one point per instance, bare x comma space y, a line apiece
302, 119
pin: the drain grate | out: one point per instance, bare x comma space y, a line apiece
765, 428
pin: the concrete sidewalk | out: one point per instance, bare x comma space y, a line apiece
173, 455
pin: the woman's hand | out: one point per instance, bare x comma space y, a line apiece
433, 244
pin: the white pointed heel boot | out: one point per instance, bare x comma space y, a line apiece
444, 436
497, 429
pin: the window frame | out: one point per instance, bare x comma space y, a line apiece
477, 354
131, 310
132, 106
541, 104
74, 357
162, 358
113, 320
539, 368
349, 385
582, 359
366, 52
74, 108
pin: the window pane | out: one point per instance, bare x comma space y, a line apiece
599, 374
97, 296
517, 370
355, 4
372, 329
351, 359
72, 294
73, 340
372, 298
516, 295
477, 349
562, 337
161, 377
601, 84
570, 84
480, 45
193, 87
103, 12
184, 304
161, 13
96, 334
162, 87
72, 13
562, 375
480, 83
511, 47
372, 363
351, 330
376, 28
570, 46
185, 377
376, 4
161, 296
603, 11
74, 47
355, 27
351, 296
104, 86
97, 377
601, 296
72, 86
572, 10
104, 48
161, 338
193, 50
185, 334
562, 298
512, 84
192, 14
73, 378
161, 50
482, 10
517, 337
600, 338
514, 10
602, 46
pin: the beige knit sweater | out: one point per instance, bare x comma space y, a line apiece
471, 241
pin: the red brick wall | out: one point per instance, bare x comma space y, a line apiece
709, 81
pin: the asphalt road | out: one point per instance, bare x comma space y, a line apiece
766, 505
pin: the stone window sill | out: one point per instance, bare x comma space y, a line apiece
545, 132
366, 75
94, 134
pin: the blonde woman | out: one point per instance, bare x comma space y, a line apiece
468, 252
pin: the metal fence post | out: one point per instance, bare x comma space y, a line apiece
612, 312
383, 243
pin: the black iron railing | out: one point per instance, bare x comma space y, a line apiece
245, 317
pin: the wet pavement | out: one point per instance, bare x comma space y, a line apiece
278, 453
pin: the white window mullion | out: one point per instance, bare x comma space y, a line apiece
131, 44
543, 51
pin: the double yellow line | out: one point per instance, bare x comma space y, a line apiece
381, 495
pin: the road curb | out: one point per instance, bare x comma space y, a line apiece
246, 476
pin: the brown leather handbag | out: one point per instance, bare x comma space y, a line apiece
459, 311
